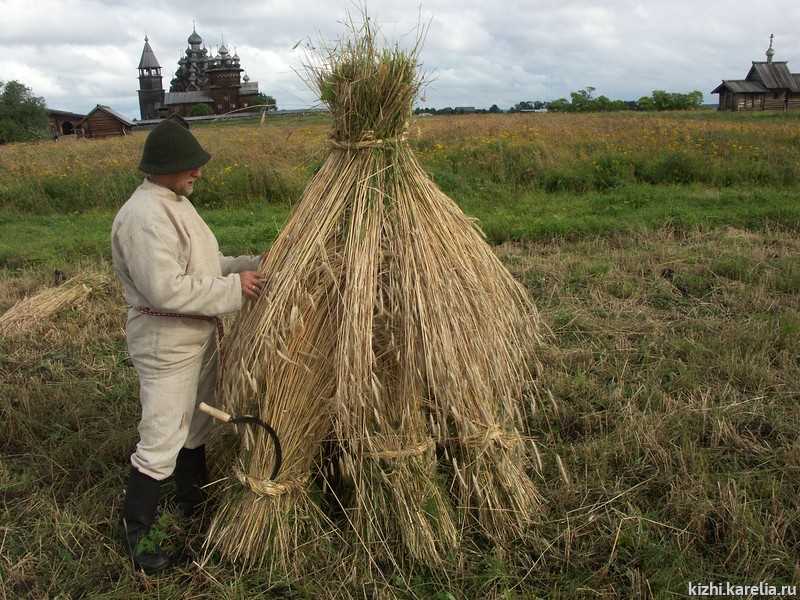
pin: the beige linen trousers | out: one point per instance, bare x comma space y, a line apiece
168, 260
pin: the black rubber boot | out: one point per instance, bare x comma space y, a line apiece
191, 474
141, 502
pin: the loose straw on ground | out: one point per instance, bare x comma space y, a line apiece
31, 311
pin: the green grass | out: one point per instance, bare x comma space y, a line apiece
503, 213
54, 240
505, 216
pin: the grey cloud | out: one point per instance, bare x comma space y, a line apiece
82, 52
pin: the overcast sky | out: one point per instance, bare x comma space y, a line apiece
78, 53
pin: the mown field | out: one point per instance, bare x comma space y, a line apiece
662, 251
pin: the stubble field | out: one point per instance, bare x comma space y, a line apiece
662, 252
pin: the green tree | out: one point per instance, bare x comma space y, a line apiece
602, 103
200, 110
646, 103
494, 108
695, 99
662, 100
583, 100
268, 100
560, 105
23, 116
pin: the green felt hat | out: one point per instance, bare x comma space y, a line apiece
171, 148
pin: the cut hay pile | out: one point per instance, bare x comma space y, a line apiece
390, 346
31, 311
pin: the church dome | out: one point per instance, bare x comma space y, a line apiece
223, 51
194, 38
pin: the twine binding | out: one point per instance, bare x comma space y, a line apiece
417, 450
493, 434
367, 140
268, 487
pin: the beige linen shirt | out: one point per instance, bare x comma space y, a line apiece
169, 261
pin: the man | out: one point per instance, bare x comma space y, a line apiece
176, 283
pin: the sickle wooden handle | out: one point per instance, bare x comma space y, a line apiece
218, 414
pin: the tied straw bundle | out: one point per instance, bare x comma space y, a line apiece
388, 325
31, 311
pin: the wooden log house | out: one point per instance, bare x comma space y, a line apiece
768, 86
102, 121
63, 122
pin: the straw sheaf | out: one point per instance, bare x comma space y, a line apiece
387, 322
33, 310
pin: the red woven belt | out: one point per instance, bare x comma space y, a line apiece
154, 313
216, 320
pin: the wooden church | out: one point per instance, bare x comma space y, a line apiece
202, 78
768, 86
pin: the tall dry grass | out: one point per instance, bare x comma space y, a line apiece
550, 152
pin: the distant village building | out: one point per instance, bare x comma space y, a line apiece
214, 81
103, 121
63, 122
768, 86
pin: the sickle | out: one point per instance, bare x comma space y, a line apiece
226, 418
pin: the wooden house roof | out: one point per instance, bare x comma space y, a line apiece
110, 111
64, 113
194, 96
762, 78
773, 75
740, 86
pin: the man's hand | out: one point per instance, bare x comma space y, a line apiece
252, 284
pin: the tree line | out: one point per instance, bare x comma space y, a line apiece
585, 101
